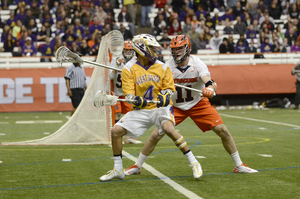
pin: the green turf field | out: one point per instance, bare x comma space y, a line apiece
267, 140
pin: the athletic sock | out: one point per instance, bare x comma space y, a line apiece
118, 163
236, 159
190, 156
141, 159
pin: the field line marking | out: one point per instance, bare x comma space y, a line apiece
259, 120
39, 122
173, 184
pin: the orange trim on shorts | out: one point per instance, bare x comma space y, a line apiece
203, 114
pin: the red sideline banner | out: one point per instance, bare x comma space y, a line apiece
24, 90
254, 79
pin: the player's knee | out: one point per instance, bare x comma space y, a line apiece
117, 131
222, 131
168, 128
154, 138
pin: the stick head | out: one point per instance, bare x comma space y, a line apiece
63, 54
102, 99
115, 42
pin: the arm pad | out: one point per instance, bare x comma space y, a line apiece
212, 83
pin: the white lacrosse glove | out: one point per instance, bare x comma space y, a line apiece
119, 61
130, 97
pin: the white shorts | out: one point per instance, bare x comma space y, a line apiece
137, 122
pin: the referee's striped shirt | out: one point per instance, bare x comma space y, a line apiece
76, 75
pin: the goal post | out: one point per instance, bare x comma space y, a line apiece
88, 125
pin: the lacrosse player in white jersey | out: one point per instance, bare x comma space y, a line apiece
190, 71
122, 107
145, 78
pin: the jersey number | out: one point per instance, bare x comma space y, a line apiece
119, 81
149, 93
188, 95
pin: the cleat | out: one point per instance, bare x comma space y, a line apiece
132, 170
112, 174
197, 170
130, 140
243, 168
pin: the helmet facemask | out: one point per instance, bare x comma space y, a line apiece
128, 54
180, 54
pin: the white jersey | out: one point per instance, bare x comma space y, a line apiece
189, 76
116, 77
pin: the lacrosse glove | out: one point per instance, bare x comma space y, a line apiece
208, 92
164, 99
141, 103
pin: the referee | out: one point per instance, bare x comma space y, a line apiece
75, 82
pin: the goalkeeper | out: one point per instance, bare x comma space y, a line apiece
190, 71
144, 79
122, 107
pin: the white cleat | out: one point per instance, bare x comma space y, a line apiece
243, 168
132, 170
130, 140
197, 170
112, 174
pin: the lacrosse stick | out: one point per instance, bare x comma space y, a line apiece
102, 99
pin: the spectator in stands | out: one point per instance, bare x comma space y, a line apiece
252, 48
79, 40
46, 10
237, 10
75, 48
201, 42
266, 46
21, 14
77, 7
194, 21
165, 40
130, 4
96, 26
145, 10
108, 9
166, 14
215, 41
160, 3
84, 48
286, 45
32, 26
227, 30
55, 7
278, 32
200, 29
175, 28
288, 23
240, 47
85, 18
274, 11
251, 33
252, 10
95, 48
58, 43
261, 5
125, 16
106, 29
59, 31
27, 18
225, 48
291, 35
239, 27
9, 44
69, 36
274, 36
75, 16
245, 42
295, 47
61, 17
248, 19
261, 39
16, 30
294, 13
28, 50
183, 13
217, 19
192, 34
48, 19
227, 17
78, 29
177, 5
47, 50
126, 33
6, 29
207, 34
296, 25
269, 24
11, 21
277, 47
230, 41
267, 17
200, 13
209, 22
22, 40
285, 8
187, 26
35, 10
256, 26
4, 5
32, 36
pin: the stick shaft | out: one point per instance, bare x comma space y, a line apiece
126, 100
117, 69
296, 71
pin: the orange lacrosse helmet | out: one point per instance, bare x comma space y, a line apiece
128, 51
180, 48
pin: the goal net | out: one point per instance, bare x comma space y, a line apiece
88, 125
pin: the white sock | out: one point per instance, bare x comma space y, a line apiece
190, 156
236, 159
141, 159
118, 163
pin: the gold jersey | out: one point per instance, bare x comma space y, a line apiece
148, 81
